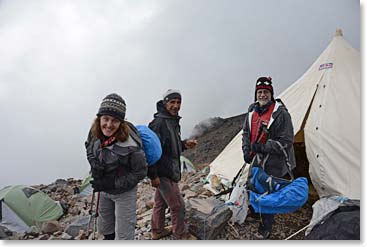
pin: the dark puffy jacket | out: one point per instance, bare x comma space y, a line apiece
280, 129
124, 162
168, 129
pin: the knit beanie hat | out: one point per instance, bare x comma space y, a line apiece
264, 83
171, 94
113, 105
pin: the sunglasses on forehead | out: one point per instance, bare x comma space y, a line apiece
263, 82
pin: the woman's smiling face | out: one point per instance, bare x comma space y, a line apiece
109, 125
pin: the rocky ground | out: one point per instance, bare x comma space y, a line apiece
213, 136
191, 187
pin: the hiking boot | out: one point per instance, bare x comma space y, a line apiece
262, 234
158, 235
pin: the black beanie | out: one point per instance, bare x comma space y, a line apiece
171, 94
264, 83
113, 105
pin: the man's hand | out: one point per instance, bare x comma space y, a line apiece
257, 148
248, 158
155, 182
191, 143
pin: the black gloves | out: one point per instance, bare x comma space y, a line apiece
258, 148
248, 159
103, 184
96, 174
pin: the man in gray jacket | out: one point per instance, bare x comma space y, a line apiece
268, 124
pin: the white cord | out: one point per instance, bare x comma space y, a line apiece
294, 234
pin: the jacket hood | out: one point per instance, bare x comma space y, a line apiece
163, 113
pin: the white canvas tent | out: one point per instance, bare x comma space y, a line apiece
325, 108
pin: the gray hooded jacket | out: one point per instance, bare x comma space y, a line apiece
124, 162
279, 129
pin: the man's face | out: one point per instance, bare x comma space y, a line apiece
263, 96
173, 106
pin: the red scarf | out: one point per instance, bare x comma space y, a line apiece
108, 142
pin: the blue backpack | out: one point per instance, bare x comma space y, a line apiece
151, 144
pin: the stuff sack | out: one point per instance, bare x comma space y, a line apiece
151, 144
286, 200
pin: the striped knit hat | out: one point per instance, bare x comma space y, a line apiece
113, 105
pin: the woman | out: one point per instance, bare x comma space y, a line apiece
117, 164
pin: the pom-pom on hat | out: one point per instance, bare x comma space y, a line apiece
264, 83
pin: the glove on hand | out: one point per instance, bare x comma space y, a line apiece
258, 147
155, 182
104, 184
97, 174
248, 158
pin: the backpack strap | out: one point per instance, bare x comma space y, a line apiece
135, 134
288, 164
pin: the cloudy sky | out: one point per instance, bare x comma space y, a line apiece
60, 58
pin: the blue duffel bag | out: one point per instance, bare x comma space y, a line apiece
151, 144
281, 197
272, 195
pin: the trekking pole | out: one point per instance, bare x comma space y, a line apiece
96, 216
90, 212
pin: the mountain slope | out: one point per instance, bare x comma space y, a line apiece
213, 135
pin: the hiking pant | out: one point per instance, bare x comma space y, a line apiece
168, 195
117, 213
267, 221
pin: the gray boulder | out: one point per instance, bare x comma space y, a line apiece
50, 227
207, 217
80, 223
